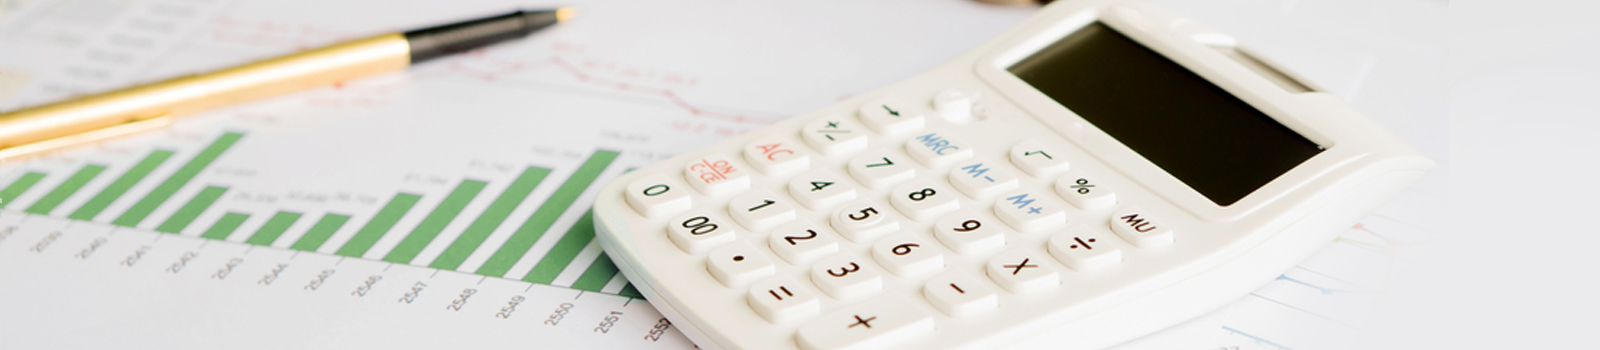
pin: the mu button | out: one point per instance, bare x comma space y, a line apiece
1140, 228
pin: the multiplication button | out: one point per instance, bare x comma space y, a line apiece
878, 323
777, 156
891, 116
657, 195
834, 135
938, 149
717, 175
1022, 271
1140, 228
699, 231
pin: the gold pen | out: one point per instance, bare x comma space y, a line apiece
150, 106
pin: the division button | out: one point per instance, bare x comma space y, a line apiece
1037, 159
717, 175
699, 230
777, 156
890, 116
1083, 249
1021, 271
835, 135
820, 189
880, 168
1030, 212
738, 264
782, 299
1085, 192
959, 294
938, 149
1140, 228
878, 323
657, 195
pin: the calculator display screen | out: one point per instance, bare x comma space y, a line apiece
1200, 134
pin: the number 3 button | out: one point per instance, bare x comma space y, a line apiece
846, 277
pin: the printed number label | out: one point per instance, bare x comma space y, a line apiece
699, 225
844, 270
922, 195
792, 239
865, 213
968, 226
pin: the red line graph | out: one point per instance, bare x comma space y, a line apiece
585, 77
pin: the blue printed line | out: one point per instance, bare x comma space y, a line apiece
1253, 337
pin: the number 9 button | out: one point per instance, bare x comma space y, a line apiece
699, 230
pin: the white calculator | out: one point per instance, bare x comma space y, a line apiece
1099, 172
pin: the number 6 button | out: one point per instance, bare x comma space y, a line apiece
907, 255
657, 195
699, 231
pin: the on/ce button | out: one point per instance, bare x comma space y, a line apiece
1140, 228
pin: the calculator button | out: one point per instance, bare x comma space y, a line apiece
699, 231
821, 189
982, 179
1030, 212
846, 277
717, 175
1021, 271
959, 294
924, 199
739, 264
862, 220
834, 135
1140, 228
938, 149
891, 116
879, 323
968, 233
777, 156
954, 105
801, 241
1084, 250
760, 210
879, 168
782, 299
657, 195
1084, 192
907, 255
1036, 159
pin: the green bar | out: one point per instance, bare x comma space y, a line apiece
151, 201
380, 224
631, 292
225, 226
191, 210
320, 232
435, 222
546, 215
66, 189
110, 194
597, 275
490, 219
561, 255
273, 228
17, 187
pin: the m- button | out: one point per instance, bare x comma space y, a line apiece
876, 323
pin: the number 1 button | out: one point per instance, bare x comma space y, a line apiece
657, 195
760, 210
878, 323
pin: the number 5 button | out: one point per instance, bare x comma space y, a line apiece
699, 231
657, 195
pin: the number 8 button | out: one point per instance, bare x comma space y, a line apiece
924, 199
699, 231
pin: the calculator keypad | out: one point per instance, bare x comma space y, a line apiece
1010, 215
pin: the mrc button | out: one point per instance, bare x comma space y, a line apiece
1137, 226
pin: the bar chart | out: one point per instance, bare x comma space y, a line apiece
369, 227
